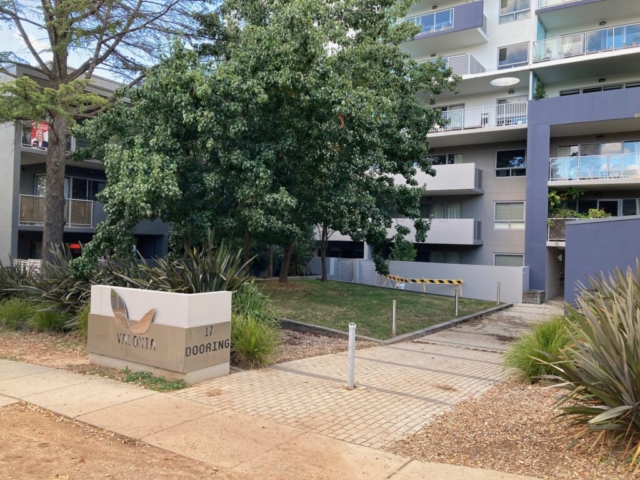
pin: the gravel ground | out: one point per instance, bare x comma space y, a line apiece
297, 345
512, 429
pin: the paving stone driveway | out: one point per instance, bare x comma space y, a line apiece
399, 387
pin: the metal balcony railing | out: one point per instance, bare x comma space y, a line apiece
595, 167
464, 64
78, 213
585, 43
434, 22
483, 117
557, 229
553, 3
477, 230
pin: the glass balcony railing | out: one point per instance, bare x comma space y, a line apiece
483, 117
553, 3
595, 167
434, 22
77, 213
585, 43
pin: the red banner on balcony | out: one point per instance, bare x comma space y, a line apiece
40, 135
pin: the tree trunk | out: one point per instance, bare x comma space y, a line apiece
323, 252
270, 264
54, 201
247, 249
286, 260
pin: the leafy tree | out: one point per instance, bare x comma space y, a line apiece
403, 251
296, 114
119, 38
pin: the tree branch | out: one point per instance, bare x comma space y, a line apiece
25, 37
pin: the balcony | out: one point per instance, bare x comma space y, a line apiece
575, 13
447, 231
454, 179
597, 171
587, 43
465, 64
483, 117
457, 27
34, 141
77, 214
557, 231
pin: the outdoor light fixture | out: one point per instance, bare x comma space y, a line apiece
511, 92
434, 7
602, 24
602, 80
505, 81
600, 137
433, 54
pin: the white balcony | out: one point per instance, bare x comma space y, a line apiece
455, 179
77, 213
587, 43
597, 171
511, 114
465, 64
446, 231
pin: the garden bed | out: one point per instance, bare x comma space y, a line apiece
336, 304
513, 428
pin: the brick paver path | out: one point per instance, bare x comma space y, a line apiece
399, 387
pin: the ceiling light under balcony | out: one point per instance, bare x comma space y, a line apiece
505, 81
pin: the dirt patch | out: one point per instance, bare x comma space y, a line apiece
297, 345
35, 443
512, 428
46, 349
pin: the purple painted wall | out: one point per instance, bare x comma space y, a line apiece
595, 246
466, 16
544, 114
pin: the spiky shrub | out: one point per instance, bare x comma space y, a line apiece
12, 276
79, 321
253, 343
528, 356
48, 318
301, 255
601, 367
249, 301
15, 313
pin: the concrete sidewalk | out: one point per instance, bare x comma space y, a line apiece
240, 445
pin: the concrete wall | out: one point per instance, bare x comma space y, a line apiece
9, 187
480, 281
543, 114
599, 245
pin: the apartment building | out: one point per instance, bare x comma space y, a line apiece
23, 148
502, 150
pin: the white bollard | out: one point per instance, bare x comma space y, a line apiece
498, 302
457, 295
352, 357
393, 319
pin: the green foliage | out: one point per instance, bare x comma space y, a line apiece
249, 301
301, 255
403, 251
529, 355
540, 92
147, 380
80, 320
253, 342
601, 367
595, 213
14, 274
15, 313
48, 318
284, 134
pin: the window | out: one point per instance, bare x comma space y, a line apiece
508, 260
566, 93
511, 163
509, 216
441, 210
512, 10
630, 206
446, 159
76, 188
513, 56
444, 257
599, 88
433, 22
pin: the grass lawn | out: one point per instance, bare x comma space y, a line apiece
335, 304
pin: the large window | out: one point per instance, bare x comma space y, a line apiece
446, 159
513, 56
434, 22
511, 163
441, 210
509, 216
599, 88
444, 257
508, 260
74, 187
512, 10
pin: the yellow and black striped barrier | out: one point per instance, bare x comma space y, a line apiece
426, 281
